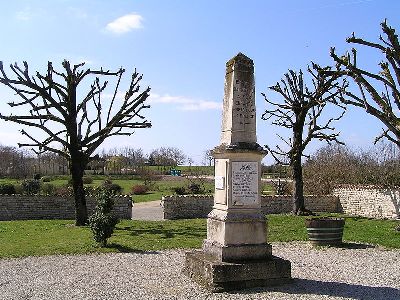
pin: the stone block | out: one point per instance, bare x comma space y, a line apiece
233, 253
217, 276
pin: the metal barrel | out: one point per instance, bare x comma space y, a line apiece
325, 236
325, 232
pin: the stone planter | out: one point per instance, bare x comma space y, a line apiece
325, 231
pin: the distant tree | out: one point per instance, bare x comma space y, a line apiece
379, 93
77, 121
167, 156
299, 110
208, 158
14, 162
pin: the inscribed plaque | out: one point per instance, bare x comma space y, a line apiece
244, 183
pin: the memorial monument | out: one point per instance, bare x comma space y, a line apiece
236, 254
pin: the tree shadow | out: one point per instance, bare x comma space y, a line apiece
167, 233
125, 249
346, 245
333, 289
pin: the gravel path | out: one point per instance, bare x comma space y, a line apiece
332, 273
148, 211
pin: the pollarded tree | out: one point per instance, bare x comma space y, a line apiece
379, 93
299, 110
78, 122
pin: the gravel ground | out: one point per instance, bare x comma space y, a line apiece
332, 273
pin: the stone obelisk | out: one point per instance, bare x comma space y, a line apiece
236, 254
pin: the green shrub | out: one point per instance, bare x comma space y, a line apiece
7, 189
30, 186
140, 189
102, 222
195, 188
87, 180
90, 190
180, 190
48, 189
45, 179
36, 176
64, 191
114, 188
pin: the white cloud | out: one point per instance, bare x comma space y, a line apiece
125, 24
184, 103
25, 15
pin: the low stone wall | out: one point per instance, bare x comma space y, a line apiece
369, 201
186, 206
18, 207
198, 206
284, 204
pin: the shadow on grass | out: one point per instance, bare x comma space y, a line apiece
332, 289
165, 232
125, 249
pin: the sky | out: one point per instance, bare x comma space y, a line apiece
181, 48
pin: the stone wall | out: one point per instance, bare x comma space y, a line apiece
18, 207
187, 206
369, 201
284, 204
198, 206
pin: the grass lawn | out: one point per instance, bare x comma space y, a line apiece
160, 187
45, 237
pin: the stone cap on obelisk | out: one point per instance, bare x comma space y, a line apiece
239, 111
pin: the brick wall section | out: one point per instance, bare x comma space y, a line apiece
17, 207
369, 201
198, 206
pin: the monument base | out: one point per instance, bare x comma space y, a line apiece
233, 253
218, 276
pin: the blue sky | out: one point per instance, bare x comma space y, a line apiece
181, 47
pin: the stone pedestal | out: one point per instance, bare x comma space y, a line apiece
236, 254
218, 276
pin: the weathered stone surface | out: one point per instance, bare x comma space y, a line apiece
239, 114
19, 207
199, 206
238, 252
219, 276
369, 201
235, 254
236, 227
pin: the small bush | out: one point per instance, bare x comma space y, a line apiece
87, 180
46, 179
140, 189
48, 189
30, 186
102, 222
64, 191
36, 176
180, 190
90, 190
114, 188
195, 188
7, 189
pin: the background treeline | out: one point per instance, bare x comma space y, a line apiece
17, 163
335, 165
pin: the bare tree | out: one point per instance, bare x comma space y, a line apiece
77, 121
208, 159
379, 93
168, 156
299, 110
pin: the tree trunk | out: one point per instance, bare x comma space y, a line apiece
77, 169
298, 195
